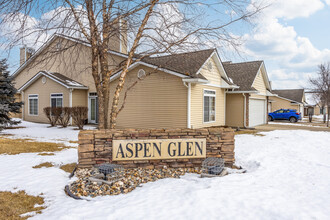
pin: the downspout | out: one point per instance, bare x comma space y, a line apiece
70, 102
226, 90
188, 103
23, 109
244, 116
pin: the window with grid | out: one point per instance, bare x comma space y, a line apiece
33, 104
56, 100
209, 106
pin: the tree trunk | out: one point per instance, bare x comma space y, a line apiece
328, 116
115, 101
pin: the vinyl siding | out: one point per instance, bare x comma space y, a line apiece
74, 62
158, 101
282, 103
259, 84
211, 74
79, 98
235, 110
43, 90
197, 102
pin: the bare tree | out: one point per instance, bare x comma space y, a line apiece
149, 27
321, 85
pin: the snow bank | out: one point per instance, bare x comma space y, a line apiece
288, 175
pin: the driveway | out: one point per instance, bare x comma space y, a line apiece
271, 126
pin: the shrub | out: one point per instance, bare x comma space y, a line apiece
79, 115
65, 116
53, 114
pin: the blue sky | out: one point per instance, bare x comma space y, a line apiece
291, 36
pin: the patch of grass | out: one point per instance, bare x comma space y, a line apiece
16, 127
253, 132
68, 167
17, 146
46, 154
46, 164
12, 205
73, 142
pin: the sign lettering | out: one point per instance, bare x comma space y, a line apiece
158, 149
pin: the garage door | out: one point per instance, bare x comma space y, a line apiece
257, 112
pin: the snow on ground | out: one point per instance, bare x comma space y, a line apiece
288, 175
45, 133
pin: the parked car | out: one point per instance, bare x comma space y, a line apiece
285, 114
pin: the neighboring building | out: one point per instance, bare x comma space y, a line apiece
288, 99
184, 90
246, 106
314, 106
187, 90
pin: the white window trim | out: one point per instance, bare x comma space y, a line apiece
29, 104
215, 107
50, 100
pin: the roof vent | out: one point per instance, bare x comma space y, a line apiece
141, 74
210, 66
43, 80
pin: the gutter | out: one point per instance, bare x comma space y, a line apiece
195, 80
243, 92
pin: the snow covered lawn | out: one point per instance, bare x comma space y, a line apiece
288, 177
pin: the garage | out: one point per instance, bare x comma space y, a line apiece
257, 112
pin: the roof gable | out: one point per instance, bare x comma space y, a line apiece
295, 95
57, 77
243, 74
188, 64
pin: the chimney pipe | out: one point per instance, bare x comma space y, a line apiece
24, 54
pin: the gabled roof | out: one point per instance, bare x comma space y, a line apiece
295, 95
185, 63
243, 74
57, 77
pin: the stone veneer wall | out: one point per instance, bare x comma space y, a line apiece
95, 146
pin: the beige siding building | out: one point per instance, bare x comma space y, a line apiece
288, 99
246, 106
175, 91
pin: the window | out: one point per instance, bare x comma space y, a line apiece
56, 100
33, 104
209, 106
321, 110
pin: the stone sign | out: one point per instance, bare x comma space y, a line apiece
136, 149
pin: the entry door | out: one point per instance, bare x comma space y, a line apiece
93, 110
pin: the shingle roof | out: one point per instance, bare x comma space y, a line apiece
65, 81
243, 74
292, 94
185, 63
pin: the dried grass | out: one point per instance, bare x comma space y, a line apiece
46, 154
68, 167
15, 127
17, 146
12, 205
253, 132
46, 164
